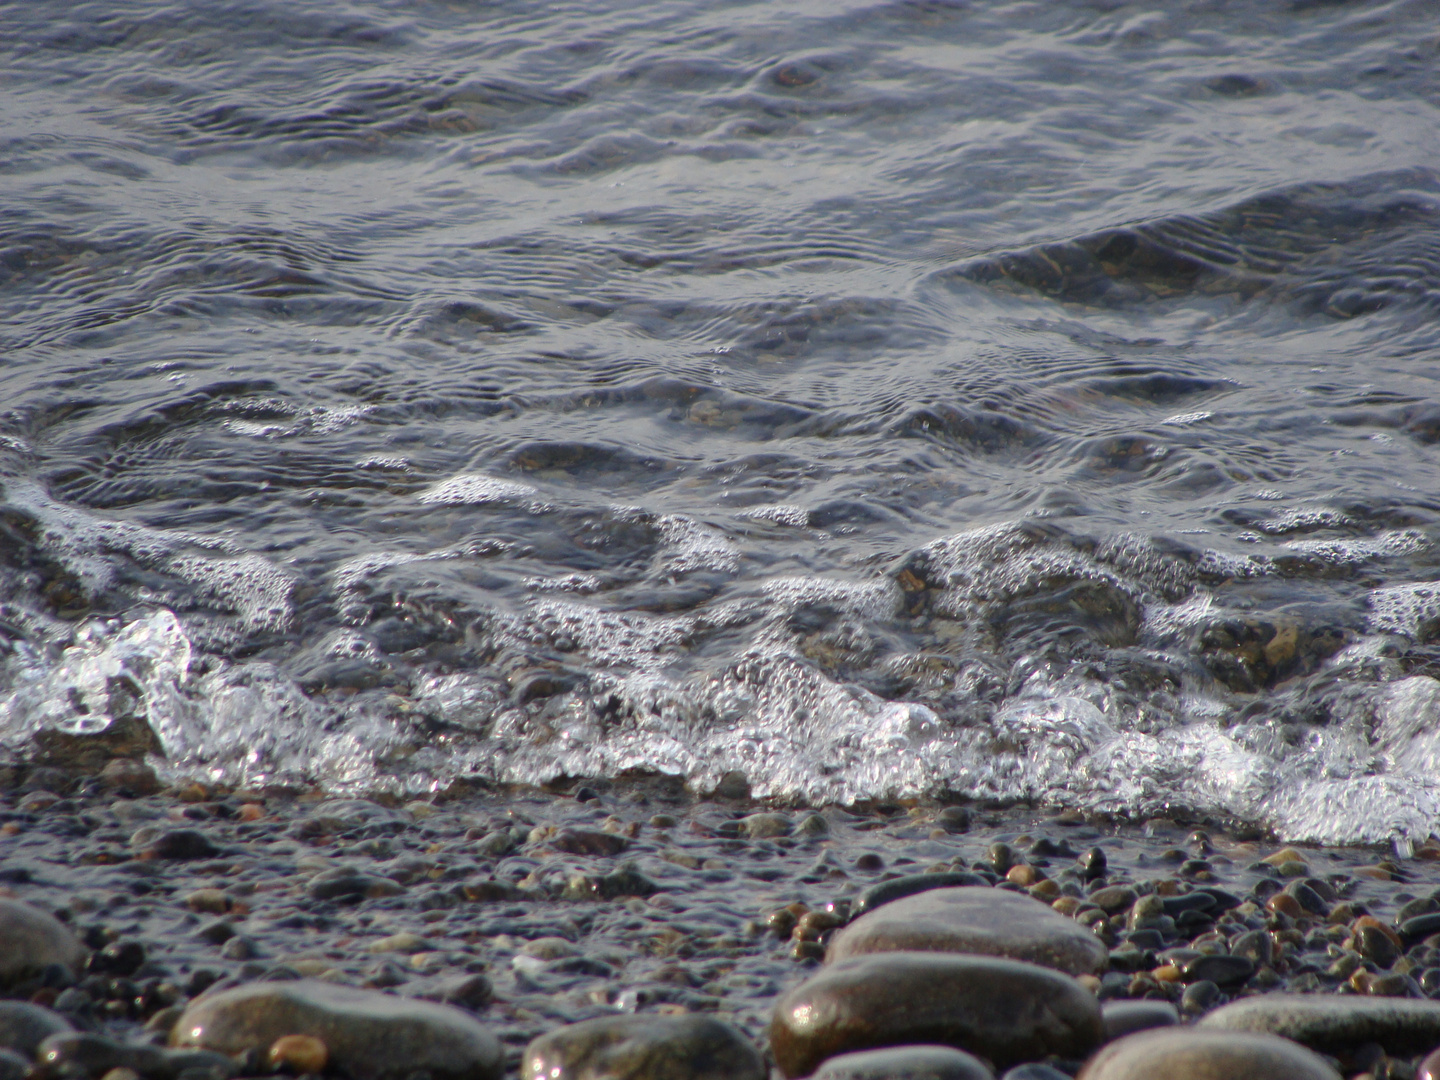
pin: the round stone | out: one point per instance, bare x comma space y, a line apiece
1331, 1023
369, 1035
1187, 1054
24, 1026
1002, 1010
1127, 1017
764, 826
984, 921
31, 939
299, 1053
643, 1048
887, 892
905, 1063
1035, 1070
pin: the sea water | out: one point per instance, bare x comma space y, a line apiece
879, 399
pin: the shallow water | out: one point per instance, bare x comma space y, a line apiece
1020, 401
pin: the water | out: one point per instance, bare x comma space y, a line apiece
1025, 401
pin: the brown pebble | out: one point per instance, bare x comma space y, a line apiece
1375, 873
251, 812
1429, 1068
120, 1072
1045, 889
1285, 904
782, 921
299, 1054
1167, 973
1370, 920
1284, 855
213, 901
1024, 874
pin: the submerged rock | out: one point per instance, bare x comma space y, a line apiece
368, 1035
1189, 1054
984, 921
1003, 1010
31, 939
644, 1048
1332, 1024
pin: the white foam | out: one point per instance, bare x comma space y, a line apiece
1305, 518
1405, 609
215, 571
1387, 545
475, 489
688, 546
275, 418
795, 517
1185, 419
380, 462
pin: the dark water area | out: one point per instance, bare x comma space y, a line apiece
1010, 401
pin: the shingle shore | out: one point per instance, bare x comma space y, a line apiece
525, 911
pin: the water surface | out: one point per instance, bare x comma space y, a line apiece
1015, 400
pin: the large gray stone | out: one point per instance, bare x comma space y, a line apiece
370, 1036
24, 1026
1189, 1054
1332, 1024
984, 921
1002, 1010
905, 1063
30, 939
644, 1048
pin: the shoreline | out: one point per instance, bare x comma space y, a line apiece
535, 909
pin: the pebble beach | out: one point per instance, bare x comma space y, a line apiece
635, 930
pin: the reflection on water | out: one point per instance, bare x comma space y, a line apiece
1012, 400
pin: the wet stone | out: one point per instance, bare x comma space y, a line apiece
1127, 1017
761, 826
1221, 970
644, 1048
625, 881
129, 777
905, 1063
1114, 899
588, 842
1200, 997
1035, 1070
31, 939
181, 844
990, 922
1189, 1054
24, 1026
1332, 1024
910, 885
1374, 944
298, 1053
13, 1066
1420, 927
86, 1054
346, 883
369, 1035
1002, 1010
